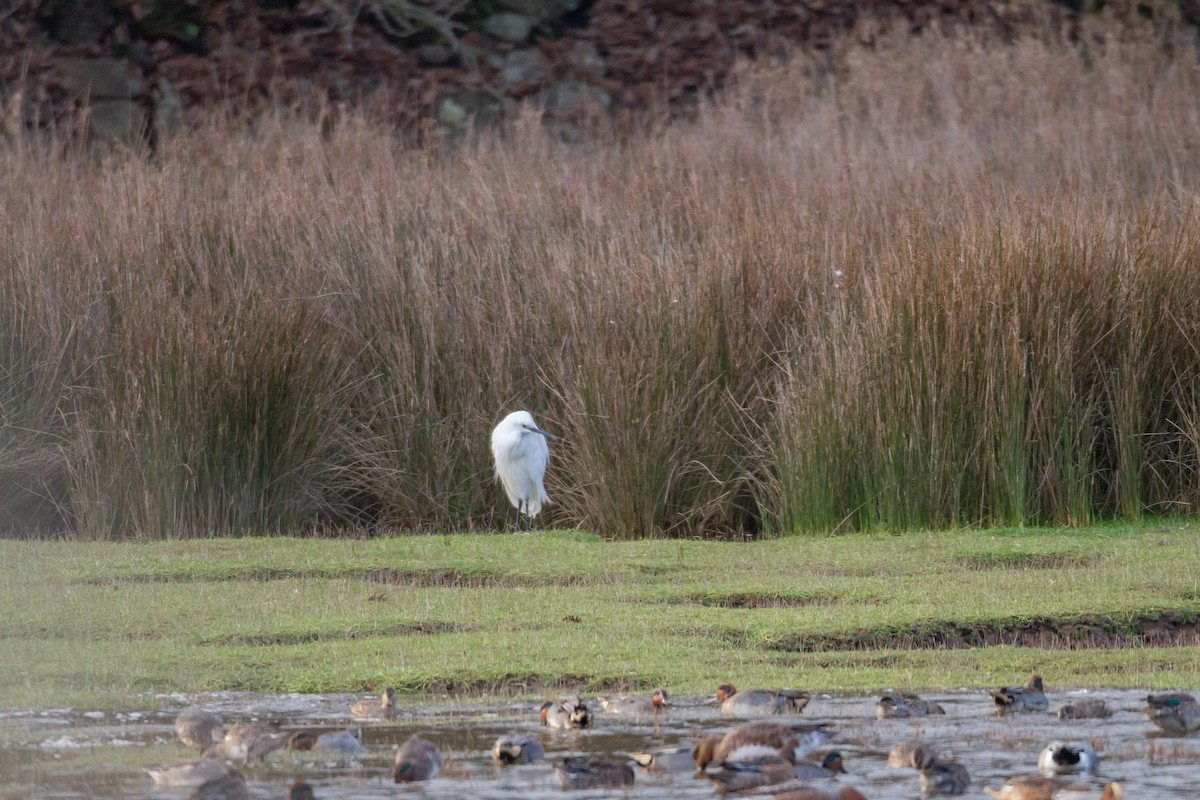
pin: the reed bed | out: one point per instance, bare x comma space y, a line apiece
944, 282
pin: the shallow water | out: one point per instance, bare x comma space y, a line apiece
73, 753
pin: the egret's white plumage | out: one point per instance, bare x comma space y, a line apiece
519, 447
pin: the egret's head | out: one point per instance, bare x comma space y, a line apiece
522, 423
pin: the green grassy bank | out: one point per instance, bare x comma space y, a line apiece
101, 624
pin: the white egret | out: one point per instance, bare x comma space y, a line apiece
519, 447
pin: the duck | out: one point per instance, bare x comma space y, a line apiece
1179, 719
190, 774
590, 772
910, 754
813, 793
345, 742
198, 728
669, 758
1059, 758
517, 748
383, 707
246, 741
1087, 708
943, 777
1030, 697
1039, 787
301, 790
417, 759
760, 701
773, 768
1169, 699
750, 740
902, 705
566, 713
739, 777
228, 787
1110, 791
636, 706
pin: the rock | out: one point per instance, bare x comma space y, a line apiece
122, 121
432, 55
585, 60
451, 114
542, 10
459, 111
510, 27
523, 70
570, 97
167, 118
101, 78
77, 21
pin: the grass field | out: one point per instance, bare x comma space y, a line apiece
101, 624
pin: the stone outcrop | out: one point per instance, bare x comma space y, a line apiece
139, 69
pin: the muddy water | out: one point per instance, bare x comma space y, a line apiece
73, 753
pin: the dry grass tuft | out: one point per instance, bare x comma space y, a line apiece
948, 283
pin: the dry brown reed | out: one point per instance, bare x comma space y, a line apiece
949, 282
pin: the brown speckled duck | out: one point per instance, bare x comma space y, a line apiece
590, 772
245, 742
567, 712
943, 777
910, 754
228, 787
198, 728
903, 705
417, 759
751, 740
771, 769
1084, 708
190, 774
757, 702
382, 707
1039, 787
815, 793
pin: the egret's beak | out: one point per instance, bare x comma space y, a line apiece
543, 433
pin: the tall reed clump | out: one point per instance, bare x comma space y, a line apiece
1009, 343
940, 282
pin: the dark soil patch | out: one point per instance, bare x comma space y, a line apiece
518, 684
453, 578
1030, 560
424, 578
309, 637
1174, 628
759, 599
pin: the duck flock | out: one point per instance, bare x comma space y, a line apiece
774, 754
